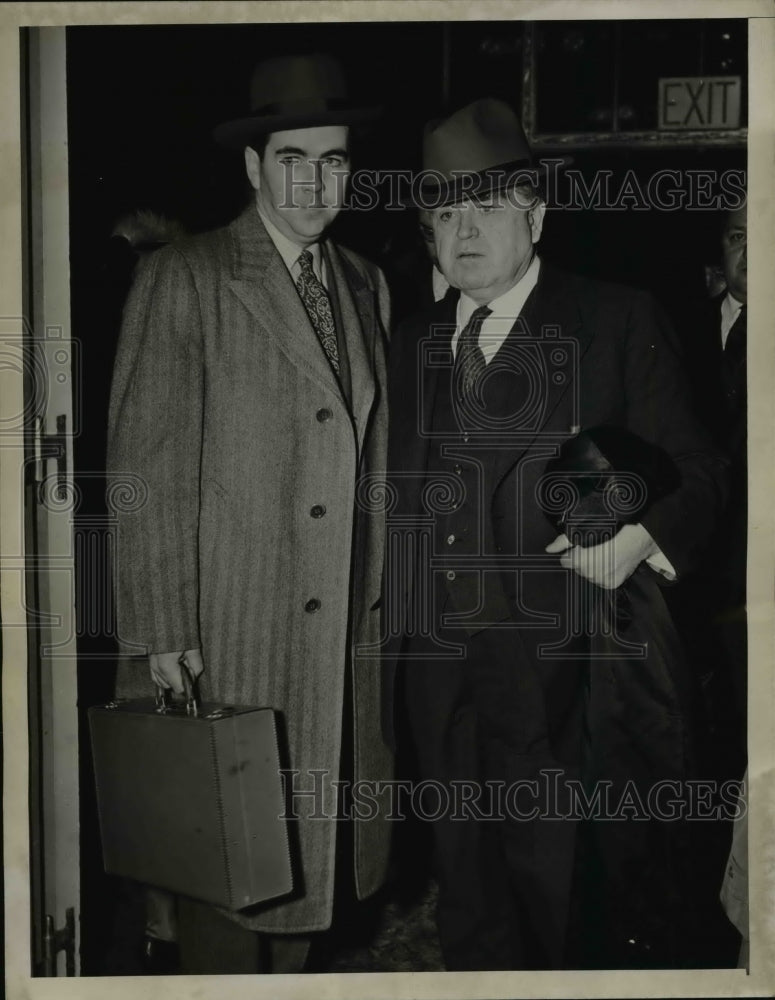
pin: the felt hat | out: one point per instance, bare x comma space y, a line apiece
288, 92
478, 150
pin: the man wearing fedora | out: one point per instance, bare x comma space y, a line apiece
512, 693
249, 394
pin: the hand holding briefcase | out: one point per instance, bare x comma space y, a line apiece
190, 798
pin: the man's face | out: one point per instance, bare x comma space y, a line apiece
733, 243
300, 180
485, 246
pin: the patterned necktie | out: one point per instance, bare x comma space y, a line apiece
318, 306
469, 359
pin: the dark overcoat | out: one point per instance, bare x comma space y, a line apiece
591, 354
226, 410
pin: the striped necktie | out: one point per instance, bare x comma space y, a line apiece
318, 306
469, 359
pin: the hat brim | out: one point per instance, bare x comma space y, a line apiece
238, 133
436, 194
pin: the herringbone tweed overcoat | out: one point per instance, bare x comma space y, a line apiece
249, 541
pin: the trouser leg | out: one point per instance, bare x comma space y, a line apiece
477, 923
288, 952
161, 918
212, 944
503, 880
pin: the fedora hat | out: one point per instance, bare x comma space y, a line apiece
480, 149
293, 92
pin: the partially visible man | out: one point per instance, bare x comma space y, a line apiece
439, 284
712, 604
721, 634
731, 550
414, 278
249, 395
732, 434
513, 689
721, 368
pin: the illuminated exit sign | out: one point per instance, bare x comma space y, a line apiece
692, 102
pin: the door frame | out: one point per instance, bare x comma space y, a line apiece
38, 606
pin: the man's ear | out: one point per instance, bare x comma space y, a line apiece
253, 167
535, 218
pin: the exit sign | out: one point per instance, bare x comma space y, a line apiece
692, 102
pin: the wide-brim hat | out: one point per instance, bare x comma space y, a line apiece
477, 151
288, 92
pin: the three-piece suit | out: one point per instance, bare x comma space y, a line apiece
248, 540
504, 677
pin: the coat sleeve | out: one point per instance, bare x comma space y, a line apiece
659, 409
154, 440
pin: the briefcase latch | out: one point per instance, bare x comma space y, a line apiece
222, 712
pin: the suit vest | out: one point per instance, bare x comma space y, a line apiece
463, 465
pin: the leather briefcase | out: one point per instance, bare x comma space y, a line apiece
190, 798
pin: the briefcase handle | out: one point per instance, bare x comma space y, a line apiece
164, 702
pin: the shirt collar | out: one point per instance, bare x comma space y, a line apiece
730, 310
507, 305
288, 250
731, 305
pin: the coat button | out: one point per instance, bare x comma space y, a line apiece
459, 470
450, 574
312, 605
450, 539
318, 510
324, 415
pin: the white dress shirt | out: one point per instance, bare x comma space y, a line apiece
730, 310
505, 310
290, 251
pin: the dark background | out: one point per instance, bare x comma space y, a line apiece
142, 102
144, 99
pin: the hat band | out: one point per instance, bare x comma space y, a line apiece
313, 106
503, 171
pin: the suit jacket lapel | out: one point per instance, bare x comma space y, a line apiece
262, 283
358, 320
551, 314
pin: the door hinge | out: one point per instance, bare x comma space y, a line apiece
52, 446
62, 940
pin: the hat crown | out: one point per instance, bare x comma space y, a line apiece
290, 81
481, 136
294, 92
